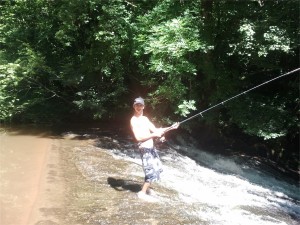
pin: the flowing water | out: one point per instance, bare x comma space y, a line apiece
102, 173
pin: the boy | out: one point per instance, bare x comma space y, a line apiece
144, 132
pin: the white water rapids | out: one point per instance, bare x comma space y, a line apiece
219, 190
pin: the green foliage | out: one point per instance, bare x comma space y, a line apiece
8, 80
252, 44
24, 85
274, 39
168, 45
76, 48
266, 118
89, 57
185, 108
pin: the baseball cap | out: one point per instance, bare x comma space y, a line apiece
139, 100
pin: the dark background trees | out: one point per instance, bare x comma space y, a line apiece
87, 60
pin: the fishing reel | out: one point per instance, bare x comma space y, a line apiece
162, 139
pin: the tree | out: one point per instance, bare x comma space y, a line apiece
165, 48
84, 57
70, 61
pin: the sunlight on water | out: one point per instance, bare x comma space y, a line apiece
224, 192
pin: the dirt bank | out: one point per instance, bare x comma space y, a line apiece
26, 163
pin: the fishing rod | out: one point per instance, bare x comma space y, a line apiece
231, 98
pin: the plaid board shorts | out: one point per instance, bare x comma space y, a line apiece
151, 164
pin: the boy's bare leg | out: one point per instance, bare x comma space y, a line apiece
143, 193
145, 187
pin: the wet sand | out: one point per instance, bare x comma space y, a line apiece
24, 165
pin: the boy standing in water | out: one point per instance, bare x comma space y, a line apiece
144, 132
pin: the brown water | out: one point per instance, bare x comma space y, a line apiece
89, 177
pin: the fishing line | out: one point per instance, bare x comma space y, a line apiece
231, 98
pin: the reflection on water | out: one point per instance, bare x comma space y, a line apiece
103, 173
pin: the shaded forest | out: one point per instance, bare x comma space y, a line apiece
76, 61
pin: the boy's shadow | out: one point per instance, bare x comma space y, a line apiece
123, 185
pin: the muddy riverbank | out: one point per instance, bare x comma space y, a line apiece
27, 162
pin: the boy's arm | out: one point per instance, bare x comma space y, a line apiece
163, 130
174, 126
152, 127
140, 136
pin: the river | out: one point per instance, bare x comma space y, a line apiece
91, 176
